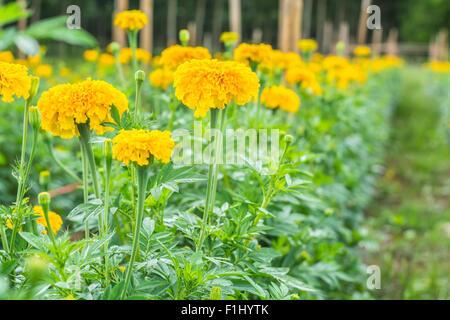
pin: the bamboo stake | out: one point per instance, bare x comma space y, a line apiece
362, 28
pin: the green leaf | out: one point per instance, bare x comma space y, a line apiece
27, 44
12, 12
33, 240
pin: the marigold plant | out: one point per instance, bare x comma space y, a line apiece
280, 97
14, 80
131, 20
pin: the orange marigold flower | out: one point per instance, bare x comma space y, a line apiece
307, 45
64, 106
44, 71
300, 74
139, 145
280, 97
106, 60
6, 56
205, 84
256, 53
33, 61
176, 55
54, 218
361, 51
161, 78
91, 55
131, 20
228, 37
14, 80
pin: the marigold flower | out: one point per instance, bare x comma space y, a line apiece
205, 84
229, 37
161, 78
307, 45
280, 97
64, 106
131, 20
361, 51
64, 72
91, 55
332, 62
33, 61
106, 60
14, 80
6, 56
176, 55
300, 74
44, 71
255, 53
126, 54
55, 219
139, 145
439, 66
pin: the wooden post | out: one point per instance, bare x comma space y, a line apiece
307, 14
36, 7
392, 46
171, 22
296, 10
320, 21
257, 35
235, 16
362, 28
327, 36
377, 38
22, 25
146, 34
192, 32
344, 36
120, 35
442, 45
432, 50
199, 20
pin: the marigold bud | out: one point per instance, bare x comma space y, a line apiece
35, 118
34, 87
115, 47
184, 36
216, 293
108, 153
44, 199
44, 178
288, 138
139, 76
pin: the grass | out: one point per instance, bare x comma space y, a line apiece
410, 217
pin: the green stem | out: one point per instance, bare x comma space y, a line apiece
105, 216
132, 39
85, 138
216, 117
142, 177
84, 163
4, 238
120, 70
60, 164
49, 227
137, 101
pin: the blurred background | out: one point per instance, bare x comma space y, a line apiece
414, 25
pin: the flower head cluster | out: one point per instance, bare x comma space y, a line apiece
387, 62
344, 76
280, 97
139, 145
227, 37
205, 84
6, 56
161, 78
126, 54
255, 53
176, 55
361, 51
64, 106
44, 70
14, 80
91, 55
54, 218
439, 66
131, 20
106, 60
307, 45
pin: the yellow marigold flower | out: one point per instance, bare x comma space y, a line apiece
64, 106
126, 54
300, 74
332, 62
161, 78
14, 80
276, 59
314, 87
280, 97
33, 61
55, 220
44, 71
293, 59
255, 53
387, 62
106, 60
361, 51
64, 72
138, 145
91, 55
156, 61
176, 55
229, 37
439, 66
317, 57
6, 56
307, 45
143, 55
131, 20
21, 61
205, 84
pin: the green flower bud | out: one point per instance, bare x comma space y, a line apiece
115, 47
288, 139
139, 76
44, 199
340, 48
34, 87
216, 293
184, 37
44, 178
108, 154
35, 118
295, 297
